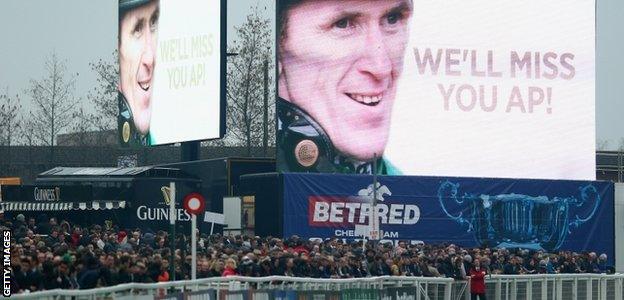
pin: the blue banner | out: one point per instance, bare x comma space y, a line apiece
511, 213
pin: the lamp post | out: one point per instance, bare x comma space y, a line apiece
265, 117
374, 221
169, 194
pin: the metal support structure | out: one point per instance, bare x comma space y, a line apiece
193, 246
552, 286
620, 167
189, 151
619, 289
374, 233
265, 117
172, 239
448, 287
603, 289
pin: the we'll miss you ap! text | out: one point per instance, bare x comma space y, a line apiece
524, 97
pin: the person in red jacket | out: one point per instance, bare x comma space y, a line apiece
477, 281
230, 268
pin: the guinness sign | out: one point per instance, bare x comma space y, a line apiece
47, 194
38, 193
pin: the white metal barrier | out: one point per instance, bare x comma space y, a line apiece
500, 287
550, 287
428, 288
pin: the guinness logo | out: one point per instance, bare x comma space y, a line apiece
125, 132
166, 191
306, 153
47, 194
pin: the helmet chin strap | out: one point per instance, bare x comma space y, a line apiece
304, 146
356, 166
128, 134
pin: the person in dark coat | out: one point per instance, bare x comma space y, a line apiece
413, 267
55, 278
49, 276
124, 274
445, 267
376, 267
29, 278
457, 269
90, 276
19, 227
512, 267
302, 268
266, 267
62, 275
140, 273
44, 224
21, 275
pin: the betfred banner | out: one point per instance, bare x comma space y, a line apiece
532, 214
478, 88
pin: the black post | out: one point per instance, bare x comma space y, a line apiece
172, 246
169, 193
375, 179
189, 151
265, 120
374, 219
620, 162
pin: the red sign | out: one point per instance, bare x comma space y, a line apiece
194, 203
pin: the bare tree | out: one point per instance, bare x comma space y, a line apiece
27, 132
9, 124
104, 94
602, 145
245, 89
82, 127
9, 118
53, 100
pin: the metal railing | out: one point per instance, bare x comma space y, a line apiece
503, 287
428, 288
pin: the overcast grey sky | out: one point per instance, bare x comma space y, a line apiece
609, 72
79, 31
85, 31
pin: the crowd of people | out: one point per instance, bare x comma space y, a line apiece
49, 254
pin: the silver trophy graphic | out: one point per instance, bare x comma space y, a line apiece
516, 220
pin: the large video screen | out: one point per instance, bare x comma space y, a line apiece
171, 71
440, 88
